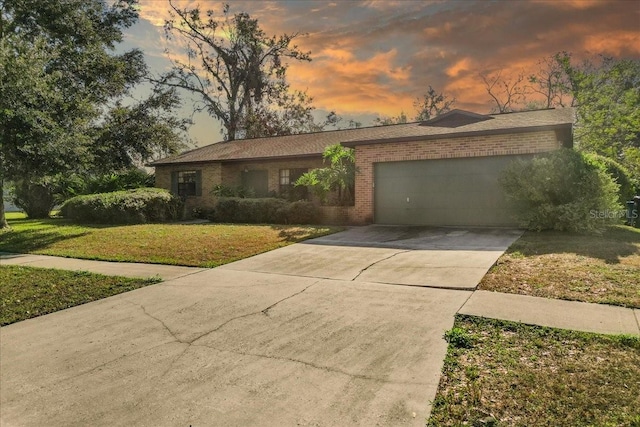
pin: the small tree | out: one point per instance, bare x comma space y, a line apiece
561, 190
338, 176
432, 104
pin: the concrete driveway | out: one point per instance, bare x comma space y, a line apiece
448, 258
255, 342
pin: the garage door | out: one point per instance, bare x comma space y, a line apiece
442, 192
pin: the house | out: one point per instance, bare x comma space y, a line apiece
443, 171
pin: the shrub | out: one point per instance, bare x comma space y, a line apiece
127, 179
299, 212
124, 207
459, 338
251, 211
264, 211
35, 198
618, 172
561, 190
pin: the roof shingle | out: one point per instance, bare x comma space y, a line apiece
313, 144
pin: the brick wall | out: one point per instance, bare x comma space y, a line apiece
232, 172
211, 176
472, 146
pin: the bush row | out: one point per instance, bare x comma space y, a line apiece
264, 211
124, 207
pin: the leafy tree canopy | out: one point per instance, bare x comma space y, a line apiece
237, 72
58, 74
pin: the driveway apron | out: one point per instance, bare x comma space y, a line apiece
251, 343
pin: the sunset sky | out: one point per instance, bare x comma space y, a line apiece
374, 58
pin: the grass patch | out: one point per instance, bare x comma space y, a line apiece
202, 245
27, 292
520, 375
14, 215
603, 268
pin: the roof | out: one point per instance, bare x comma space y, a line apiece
451, 124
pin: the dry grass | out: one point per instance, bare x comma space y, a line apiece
204, 245
593, 268
517, 375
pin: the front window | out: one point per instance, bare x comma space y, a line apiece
288, 178
187, 183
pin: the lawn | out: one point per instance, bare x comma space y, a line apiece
501, 373
593, 268
27, 292
202, 245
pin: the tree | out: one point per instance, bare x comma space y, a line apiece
607, 96
237, 72
385, 121
58, 75
57, 69
291, 115
432, 104
339, 176
506, 92
131, 135
551, 83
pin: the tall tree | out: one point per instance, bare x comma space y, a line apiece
58, 70
237, 71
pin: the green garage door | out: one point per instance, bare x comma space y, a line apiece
462, 192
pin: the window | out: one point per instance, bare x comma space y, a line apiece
284, 177
288, 178
186, 183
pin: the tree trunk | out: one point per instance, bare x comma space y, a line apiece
3, 219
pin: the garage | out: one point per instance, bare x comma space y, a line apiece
453, 191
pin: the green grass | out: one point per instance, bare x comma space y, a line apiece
27, 292
202, 245
508, 374
600, 268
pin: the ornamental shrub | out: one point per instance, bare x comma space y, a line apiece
124, 207
268, 210
299, 212
561, 190
250, 211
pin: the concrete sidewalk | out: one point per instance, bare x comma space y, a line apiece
580, 316
127, 269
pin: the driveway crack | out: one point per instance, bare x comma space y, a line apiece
264, 311
379, 261
315, 366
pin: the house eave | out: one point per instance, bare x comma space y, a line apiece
238, 160
527, 129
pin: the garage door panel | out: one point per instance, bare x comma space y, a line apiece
442, 192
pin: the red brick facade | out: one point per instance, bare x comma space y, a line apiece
471, 146
230, 173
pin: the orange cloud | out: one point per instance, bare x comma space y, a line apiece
465, 64
615, 43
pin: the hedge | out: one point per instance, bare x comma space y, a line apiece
264, 211
124, 207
